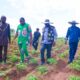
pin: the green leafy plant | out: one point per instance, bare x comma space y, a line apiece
42, 69
34, 52
63, 55
75, 65
32, 77
33, 61
21, 66
52, 61
2, 73
14, 58
16, 52
74, 78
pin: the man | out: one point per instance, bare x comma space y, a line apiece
49, 37
36, 38
73, 34
5, 38
23, 33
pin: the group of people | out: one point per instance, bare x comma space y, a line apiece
25, 39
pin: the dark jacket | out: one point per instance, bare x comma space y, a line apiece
4, 34
73, 34
36, 36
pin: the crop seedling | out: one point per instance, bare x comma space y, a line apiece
14, 58
75, 65
52, 61
74, 78
32, 77
42, 69
2, 74
21, 66
33, 61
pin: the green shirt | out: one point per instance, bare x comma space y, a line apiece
23, 33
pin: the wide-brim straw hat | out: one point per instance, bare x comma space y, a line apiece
47, 21
73, 22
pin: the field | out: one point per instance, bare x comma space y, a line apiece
58, 69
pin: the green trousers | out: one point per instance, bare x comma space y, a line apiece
23, 51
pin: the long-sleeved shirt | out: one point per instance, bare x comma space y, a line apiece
73, 34
5, 36
36, 36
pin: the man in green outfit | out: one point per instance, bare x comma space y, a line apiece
24, 34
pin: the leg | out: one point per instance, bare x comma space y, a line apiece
42, 53
5, 53
1, 47
75, 48
34, 45
71, 52
49, 47
24, 47
21, 52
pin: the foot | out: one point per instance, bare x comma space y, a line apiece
42, 63
69, 62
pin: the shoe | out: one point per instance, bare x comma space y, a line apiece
42, 63
69, 62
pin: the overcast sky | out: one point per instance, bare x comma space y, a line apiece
36, 11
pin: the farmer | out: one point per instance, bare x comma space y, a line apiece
23, 33
5, 38
49, 37
73, 34
36, 38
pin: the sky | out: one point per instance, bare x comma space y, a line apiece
60, 12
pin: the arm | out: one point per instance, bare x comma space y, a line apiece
67, 35
15, 35
30, 32
9, 34
55, 35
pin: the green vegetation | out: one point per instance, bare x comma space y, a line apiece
2, 73
74, 78
14, 58
42, 69
75, 65
32, 77
52, 61
21, 66
33, 61
63, 55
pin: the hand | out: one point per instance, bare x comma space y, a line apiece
65, 42
54, 43
30, 47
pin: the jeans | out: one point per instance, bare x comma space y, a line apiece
35, 45
44, 47
3, 56
72, 51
